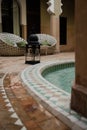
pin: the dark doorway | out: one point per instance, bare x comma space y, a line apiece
33, 16
7, 16
63, 30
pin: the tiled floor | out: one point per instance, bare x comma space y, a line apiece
18, 109
51, 97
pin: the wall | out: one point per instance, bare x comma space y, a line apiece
81, 43
68, 11
45, 18
79, 89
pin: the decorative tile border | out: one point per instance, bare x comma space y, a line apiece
54, 99
9, 105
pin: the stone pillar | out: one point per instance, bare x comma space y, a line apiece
79, 90
23, 19
54, 29
24, 31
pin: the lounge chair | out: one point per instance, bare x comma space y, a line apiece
47, 42
11, 45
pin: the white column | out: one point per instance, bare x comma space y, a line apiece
23, 18
55, 10
54, 29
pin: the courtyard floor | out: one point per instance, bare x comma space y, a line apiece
18, 109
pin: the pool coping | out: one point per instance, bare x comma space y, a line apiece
53, 99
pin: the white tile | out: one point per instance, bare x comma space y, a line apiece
4, 96
14, 115
2, 90
18, 122
3, 93
6, 101
76, 127
73, 118
11, 110
23, 128
9, 105
81, 124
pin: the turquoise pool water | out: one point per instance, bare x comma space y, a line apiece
62, 77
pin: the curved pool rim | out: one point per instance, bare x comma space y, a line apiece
60, 74
54, 99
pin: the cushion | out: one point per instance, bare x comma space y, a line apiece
45, 43
21, 44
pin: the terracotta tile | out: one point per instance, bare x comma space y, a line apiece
25, 106
34, 114
37, 128
52, 124
27, 101
31, 124
30, 108
42, 117
38, 115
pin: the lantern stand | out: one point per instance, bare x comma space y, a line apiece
32, 54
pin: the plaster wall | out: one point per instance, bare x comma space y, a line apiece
79, 89
68, 12
45, 18
81, 43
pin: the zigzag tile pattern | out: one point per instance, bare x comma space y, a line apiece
8, 117
51, 97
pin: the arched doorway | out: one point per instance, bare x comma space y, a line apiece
33, 16
10, 16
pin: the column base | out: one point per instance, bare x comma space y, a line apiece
79, 100
24, 31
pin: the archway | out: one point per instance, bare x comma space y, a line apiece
33, 17
10, 13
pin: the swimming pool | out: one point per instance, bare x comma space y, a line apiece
54, 99
61, 76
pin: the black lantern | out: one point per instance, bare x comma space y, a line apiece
32, 55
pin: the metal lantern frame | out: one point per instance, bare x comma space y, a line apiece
32, 55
